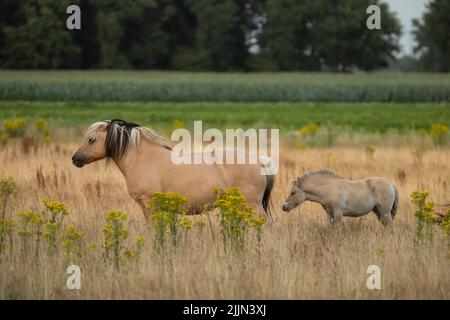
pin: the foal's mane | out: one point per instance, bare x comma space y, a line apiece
317, 173
122, 135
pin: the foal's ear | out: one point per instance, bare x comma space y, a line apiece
297, 182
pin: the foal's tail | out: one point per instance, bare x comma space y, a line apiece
395, 205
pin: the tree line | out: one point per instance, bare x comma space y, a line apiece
217, 35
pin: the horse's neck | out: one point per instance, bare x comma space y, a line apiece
151, 153
312, 196
312, 191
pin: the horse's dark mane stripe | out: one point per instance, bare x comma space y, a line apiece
118, 133
120, 136
317, 173
124, 123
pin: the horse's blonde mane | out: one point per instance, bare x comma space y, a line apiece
94, 129
121, 136
317, 173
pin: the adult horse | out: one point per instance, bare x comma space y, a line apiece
144, 158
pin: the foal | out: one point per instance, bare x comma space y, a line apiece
341, 197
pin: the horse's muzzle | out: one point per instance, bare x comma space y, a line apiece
286, 207
78, 160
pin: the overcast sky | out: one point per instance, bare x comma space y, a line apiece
406, 11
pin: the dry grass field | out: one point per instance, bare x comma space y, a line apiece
301, 256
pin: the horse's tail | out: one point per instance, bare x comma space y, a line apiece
266, 163
395, 205
266, 201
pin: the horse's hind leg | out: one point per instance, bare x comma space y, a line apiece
377, 213
384, 215
145, 210
386, 219
259, 210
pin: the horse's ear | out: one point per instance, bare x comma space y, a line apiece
297, 182
103, 127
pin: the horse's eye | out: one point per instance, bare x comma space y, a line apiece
292, 193
91, 140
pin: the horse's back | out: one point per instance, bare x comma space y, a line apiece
245, 176
379, 183
363, 195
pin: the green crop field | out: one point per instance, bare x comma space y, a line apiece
231, 87
370, 103
369, 117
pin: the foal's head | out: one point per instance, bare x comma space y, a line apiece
295, 198
309, 181
107, 139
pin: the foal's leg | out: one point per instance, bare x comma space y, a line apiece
329, 213
386, 218
384, 215
337, 218
377, 213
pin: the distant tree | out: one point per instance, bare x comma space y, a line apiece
87, 38
179, 25
432, 34
214, 34
316, 34
217, 35
285, 35
141, 34
38, 37
10, 15
222, 31
114, 19
114, 33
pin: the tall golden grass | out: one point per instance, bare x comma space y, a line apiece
300, 256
